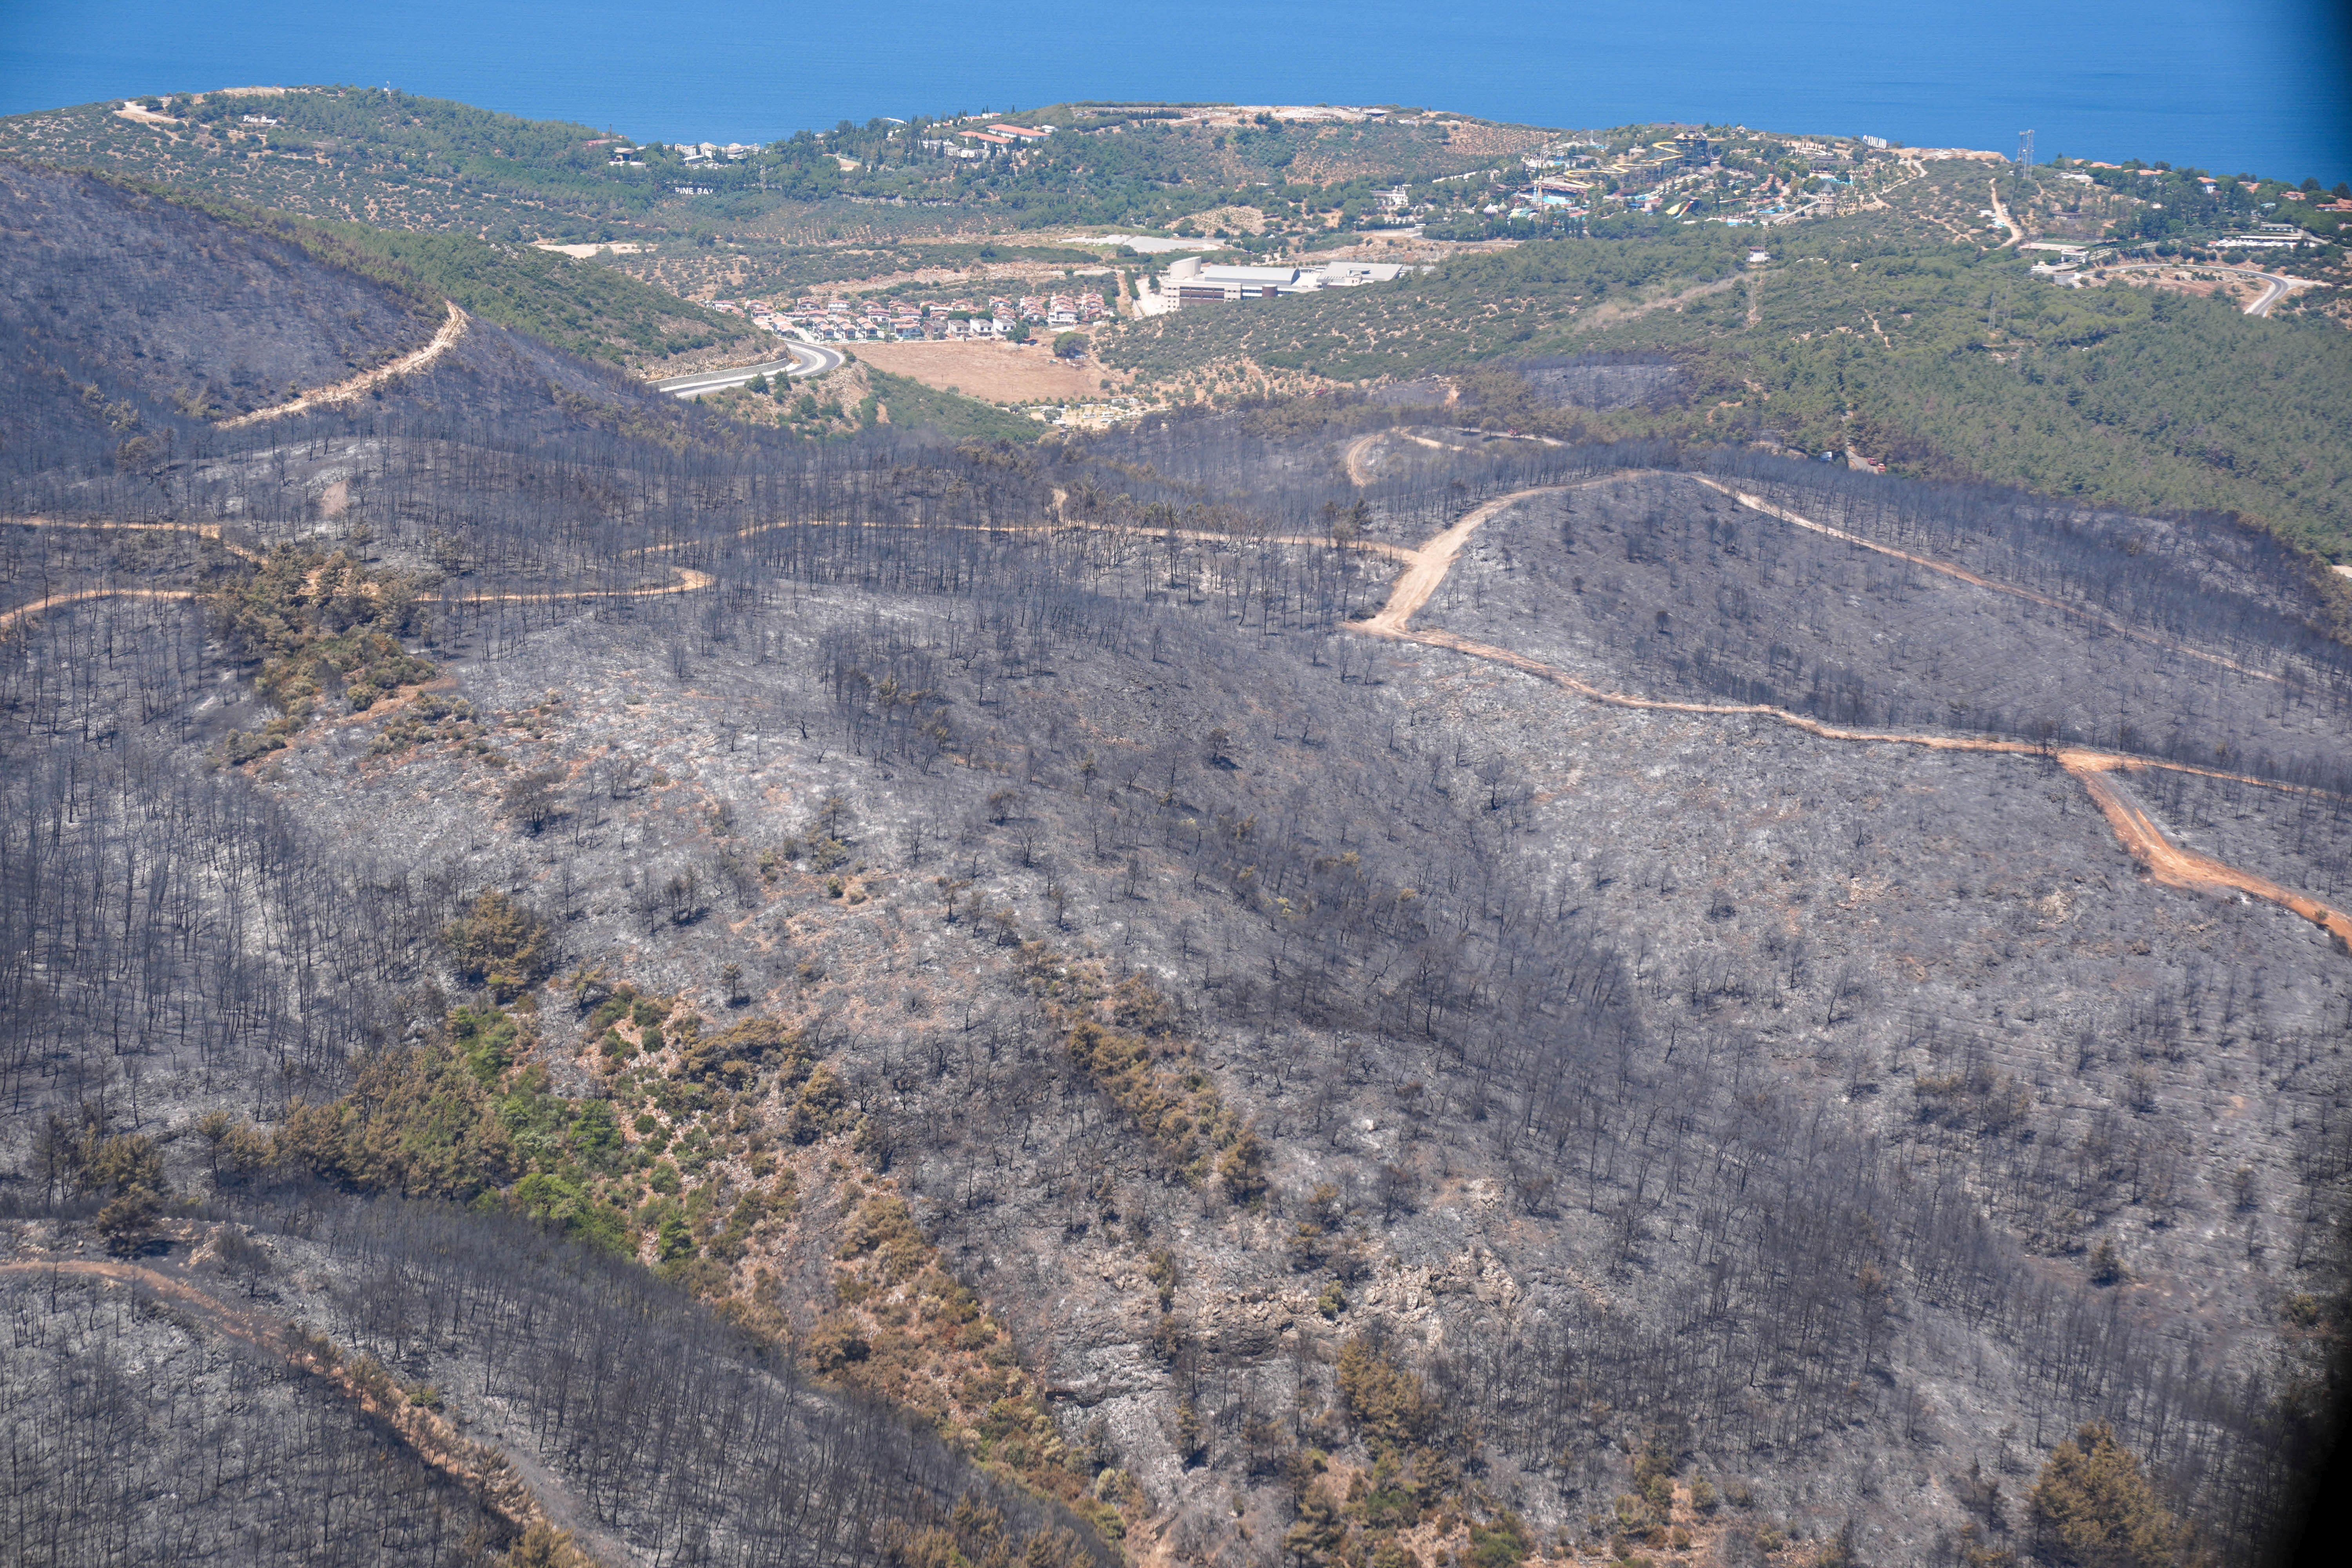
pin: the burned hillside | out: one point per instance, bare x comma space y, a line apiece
1291, 987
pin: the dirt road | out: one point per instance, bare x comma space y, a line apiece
1426, 567
26, 612
452, 329
1357, 459
2140, 838
2276, 285
689, 580
2000, 215
207, 531
2174, 867
1426, 570
482, 1468
1759, 503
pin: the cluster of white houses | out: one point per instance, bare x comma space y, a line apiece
842, 318
993, 142
709, 152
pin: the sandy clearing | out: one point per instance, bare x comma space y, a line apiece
1611, 315
996, 371
582, 252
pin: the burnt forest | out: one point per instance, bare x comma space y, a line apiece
1295, 984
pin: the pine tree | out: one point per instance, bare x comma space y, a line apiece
2094, 1508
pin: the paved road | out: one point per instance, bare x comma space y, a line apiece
807, 360
2279, 289
2276, 288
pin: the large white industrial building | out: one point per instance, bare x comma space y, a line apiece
1194, 281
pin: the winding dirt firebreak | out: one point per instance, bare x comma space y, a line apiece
453, 327
1425, 570
517, 1489
689, 579
2165, 861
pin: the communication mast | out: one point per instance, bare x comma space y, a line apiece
2025, 150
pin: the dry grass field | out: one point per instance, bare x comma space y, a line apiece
999, 372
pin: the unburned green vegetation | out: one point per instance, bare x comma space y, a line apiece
597, 313
1949, 362
915, 406
319, 625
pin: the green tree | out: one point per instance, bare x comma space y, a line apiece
1505, 1543
499, 944
1388, 1404
119, 1164
545, 1546
1318, 1533
128, 1221
2093, 1507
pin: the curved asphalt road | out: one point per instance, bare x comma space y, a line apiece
2278, 287
807, 360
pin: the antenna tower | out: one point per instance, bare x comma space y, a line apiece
2025, 150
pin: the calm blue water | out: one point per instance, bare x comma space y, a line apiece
2265, 85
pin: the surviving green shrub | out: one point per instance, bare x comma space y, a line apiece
1387, 1402
1505, 1543
501, 944
822, 1109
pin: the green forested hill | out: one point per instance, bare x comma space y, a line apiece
594, 312
2140, 400
1953, 362
591, 310
356, 155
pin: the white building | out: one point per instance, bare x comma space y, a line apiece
1192, 281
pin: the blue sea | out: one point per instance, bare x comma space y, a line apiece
2264, 86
